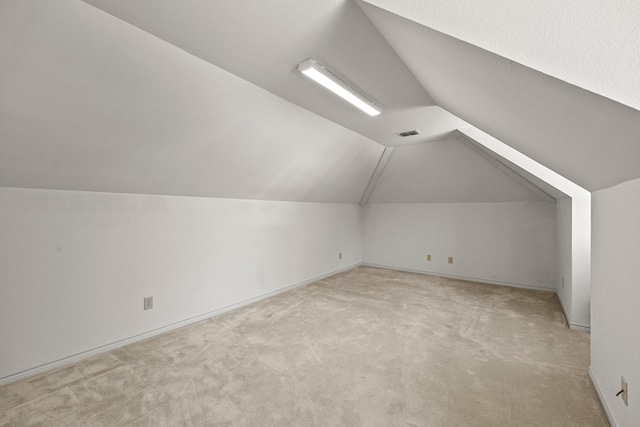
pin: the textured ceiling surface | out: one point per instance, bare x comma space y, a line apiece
592, 44
585, 137
204, 99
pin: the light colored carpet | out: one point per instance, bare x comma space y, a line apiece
369, 347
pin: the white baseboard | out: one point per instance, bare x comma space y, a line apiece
121, 343
581, 328
572, 326
603, 400
469, 279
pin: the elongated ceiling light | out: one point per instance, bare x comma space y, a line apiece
317, 72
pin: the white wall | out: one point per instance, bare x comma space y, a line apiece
564, 273
615, 309
416, 173
577, 306
581, 261
77, 265
511, 243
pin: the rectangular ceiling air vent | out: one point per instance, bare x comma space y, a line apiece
408, 133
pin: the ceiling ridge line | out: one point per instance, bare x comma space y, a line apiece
384, 158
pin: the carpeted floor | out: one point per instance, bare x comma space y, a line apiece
369, 347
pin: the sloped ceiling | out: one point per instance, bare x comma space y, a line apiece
203, 99
539, 186
445, 172
585, 137
592, 44
90, 102
263, 42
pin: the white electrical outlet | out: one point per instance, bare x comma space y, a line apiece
625, 391
148, 303
450, 260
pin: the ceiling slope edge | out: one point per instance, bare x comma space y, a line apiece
538, 185
535, 173
384, 158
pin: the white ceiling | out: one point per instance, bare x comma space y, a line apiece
537, 184
263, 42
203, 98
92, 103
585, 137
592, 44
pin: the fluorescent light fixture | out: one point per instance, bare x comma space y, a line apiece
317, 72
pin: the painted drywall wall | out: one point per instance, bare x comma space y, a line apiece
581, 261
510, 243
578, 313
423, 173
564, 274
77, 265
615, 341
